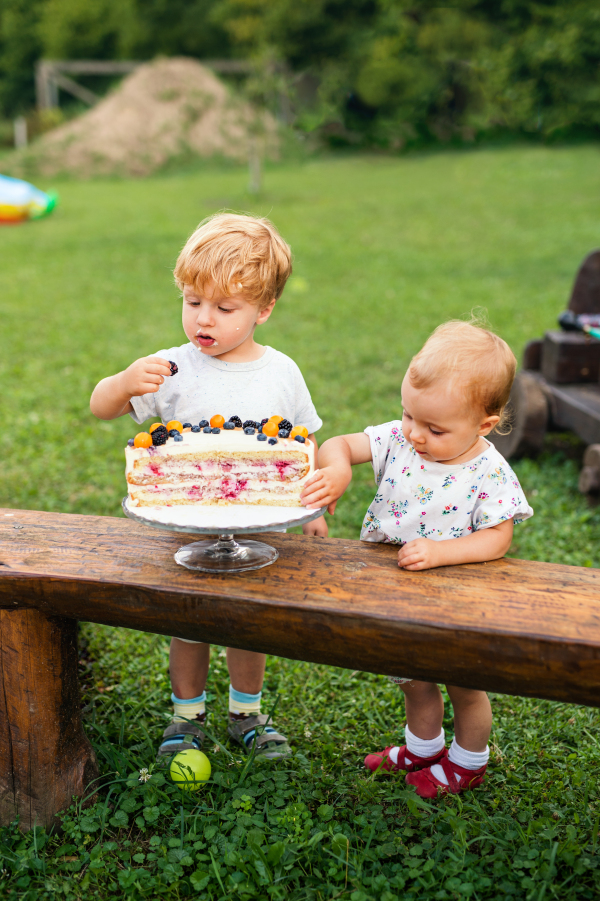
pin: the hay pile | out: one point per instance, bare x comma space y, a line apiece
164, 110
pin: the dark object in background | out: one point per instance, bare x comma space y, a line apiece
559, 385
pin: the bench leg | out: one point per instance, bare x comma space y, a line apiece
45, 757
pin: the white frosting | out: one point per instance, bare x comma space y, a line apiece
228, 440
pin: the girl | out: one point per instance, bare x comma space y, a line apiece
445, 496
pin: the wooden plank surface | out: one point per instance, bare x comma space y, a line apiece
510, 626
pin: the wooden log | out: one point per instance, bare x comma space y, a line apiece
511, 626
589, 480
570, 357
532, 355
585, 296
591, 456
528, 414
45, 758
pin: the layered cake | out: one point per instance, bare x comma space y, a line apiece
219, 462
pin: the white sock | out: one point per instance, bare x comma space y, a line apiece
420, 747
469, 760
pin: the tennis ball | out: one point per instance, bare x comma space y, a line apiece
190, 769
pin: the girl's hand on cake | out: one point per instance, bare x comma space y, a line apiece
326, 487
145, 376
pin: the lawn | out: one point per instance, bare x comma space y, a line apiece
384, 249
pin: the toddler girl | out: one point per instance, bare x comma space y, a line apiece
445, 496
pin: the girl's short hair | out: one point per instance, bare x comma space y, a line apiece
471, 357
239, 253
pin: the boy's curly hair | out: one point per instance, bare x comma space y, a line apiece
472, 358
239, 253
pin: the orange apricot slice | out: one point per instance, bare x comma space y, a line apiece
270, 429
275, 419
299, 430
174, 424
217, 421
142, 439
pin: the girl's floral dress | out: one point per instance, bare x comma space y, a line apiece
421, 499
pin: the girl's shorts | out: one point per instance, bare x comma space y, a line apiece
398, 680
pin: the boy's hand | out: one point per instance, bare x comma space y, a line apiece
145, 376
326, 487
422, 553
317, 528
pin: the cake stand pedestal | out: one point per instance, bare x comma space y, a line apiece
225, 555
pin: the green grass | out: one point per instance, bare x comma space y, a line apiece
385, 249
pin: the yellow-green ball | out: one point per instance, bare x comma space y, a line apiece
190, 769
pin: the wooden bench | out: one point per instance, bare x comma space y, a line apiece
510, 626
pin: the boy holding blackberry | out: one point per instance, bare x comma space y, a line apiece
232, 271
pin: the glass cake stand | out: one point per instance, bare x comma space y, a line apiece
225, 555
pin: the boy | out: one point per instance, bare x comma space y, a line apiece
232, 271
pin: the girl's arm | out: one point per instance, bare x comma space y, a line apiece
336, 459
479, 547
317, 527
111, 397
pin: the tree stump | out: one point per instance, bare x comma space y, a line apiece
528, 411
45, 758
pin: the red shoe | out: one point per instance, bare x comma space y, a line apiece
378, 762
429, 787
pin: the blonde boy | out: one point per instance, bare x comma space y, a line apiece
445, 496
231, 272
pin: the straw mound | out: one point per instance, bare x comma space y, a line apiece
163, 110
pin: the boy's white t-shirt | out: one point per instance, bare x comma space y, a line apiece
417, 498
205, 386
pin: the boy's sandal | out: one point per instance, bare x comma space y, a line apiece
429, 787
252, 731
407, 762
181, 737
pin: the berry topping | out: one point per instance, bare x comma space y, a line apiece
286, 425
177, 437
155, 425
159, 437
249, 431
284, 433
142, 439
237, 422
299, 430
174, 432
187, 425
276, 419
207, 430
300, 438
250, 424
174, 424
261, 437
262, 422
174, 367
130, 442
215, 431
270, 429
229, 426
195, 428
203, 423
217, 421
272, 440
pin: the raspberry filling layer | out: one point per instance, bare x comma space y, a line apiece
184, 472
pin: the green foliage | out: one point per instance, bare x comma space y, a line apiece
405, 71
317, 826
106, 29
